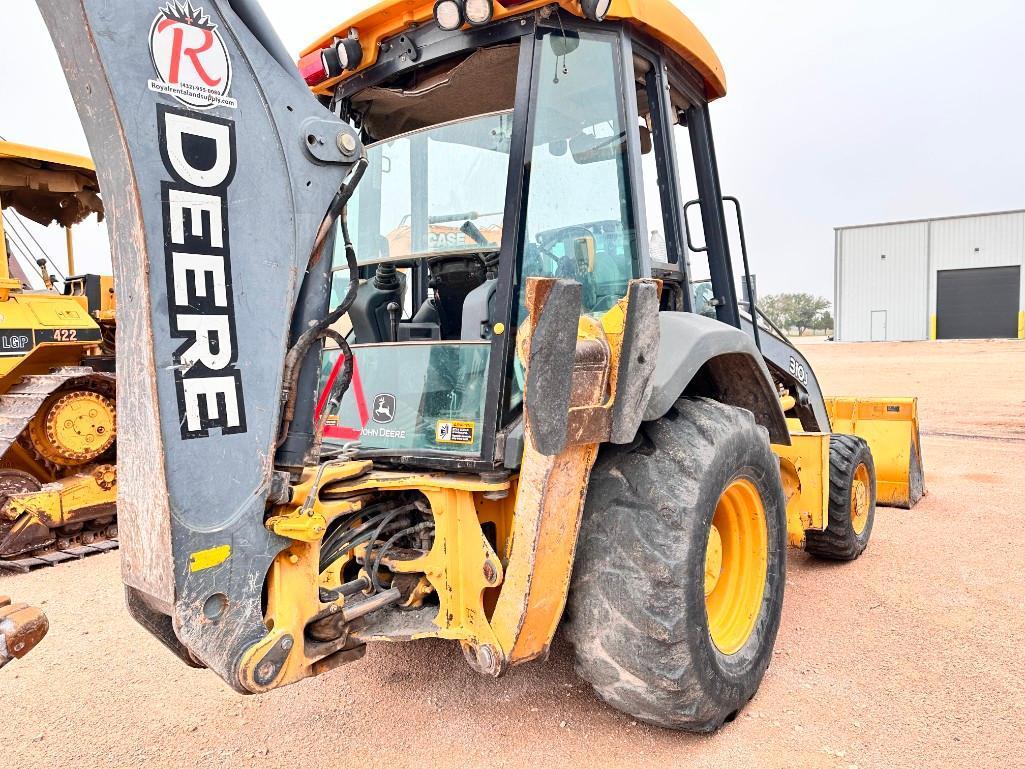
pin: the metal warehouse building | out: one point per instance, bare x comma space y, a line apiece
956, 277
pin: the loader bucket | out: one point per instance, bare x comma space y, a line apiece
890, 427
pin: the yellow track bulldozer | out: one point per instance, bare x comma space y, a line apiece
57, 401
491, 427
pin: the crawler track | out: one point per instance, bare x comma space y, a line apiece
23, 401
18, 406
29, 562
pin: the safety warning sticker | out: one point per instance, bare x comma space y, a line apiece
454, 432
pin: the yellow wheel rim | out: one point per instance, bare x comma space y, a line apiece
860, 499
736, 562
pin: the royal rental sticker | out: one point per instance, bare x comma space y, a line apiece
190, 58
454, 432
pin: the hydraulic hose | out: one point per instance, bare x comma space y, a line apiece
338, 389
341, 539
368, 556
370, 530
299, 350
423, 526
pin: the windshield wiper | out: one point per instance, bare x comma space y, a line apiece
471, 230
468, 216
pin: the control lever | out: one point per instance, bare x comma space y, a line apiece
47, 277
393, 313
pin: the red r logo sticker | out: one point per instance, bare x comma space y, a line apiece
190, 57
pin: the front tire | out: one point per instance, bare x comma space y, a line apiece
852, 501
672, 620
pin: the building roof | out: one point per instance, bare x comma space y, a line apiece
659, 18
930, 219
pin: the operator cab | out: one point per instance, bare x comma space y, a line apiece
540, 145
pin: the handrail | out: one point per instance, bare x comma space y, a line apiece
747, 268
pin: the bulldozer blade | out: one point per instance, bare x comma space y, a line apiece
890, 427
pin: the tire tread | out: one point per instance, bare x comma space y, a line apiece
839, 542
632, 642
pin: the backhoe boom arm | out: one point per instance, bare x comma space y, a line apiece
217, 166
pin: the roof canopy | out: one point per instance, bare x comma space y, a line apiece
660, 19
48, 186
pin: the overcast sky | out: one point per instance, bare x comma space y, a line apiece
838, 113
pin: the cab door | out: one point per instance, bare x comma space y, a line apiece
686, 226
581, 218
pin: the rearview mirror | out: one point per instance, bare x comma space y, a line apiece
564, 43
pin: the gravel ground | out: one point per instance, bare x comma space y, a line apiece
910, 657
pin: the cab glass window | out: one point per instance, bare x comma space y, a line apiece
436, 405
433, 192
579, 222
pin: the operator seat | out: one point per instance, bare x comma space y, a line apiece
479, 312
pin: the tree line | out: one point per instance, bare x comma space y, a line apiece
803, 312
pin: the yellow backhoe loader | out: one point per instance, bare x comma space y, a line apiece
522, 426
58, 482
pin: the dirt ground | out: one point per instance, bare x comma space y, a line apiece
911, 657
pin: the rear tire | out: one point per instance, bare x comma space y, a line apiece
637, 608
852, 501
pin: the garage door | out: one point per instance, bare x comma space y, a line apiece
978, 304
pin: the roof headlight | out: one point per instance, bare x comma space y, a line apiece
479, 12
449, 14
350, 53
595, 10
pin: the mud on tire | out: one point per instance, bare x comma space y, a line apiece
637, 617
